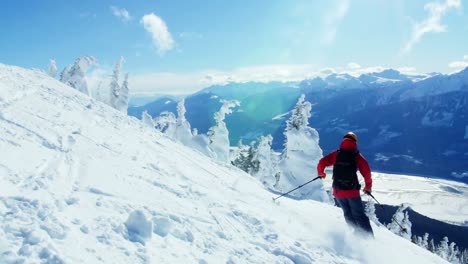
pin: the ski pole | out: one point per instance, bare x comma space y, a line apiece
370, 194
393, 217
296, 188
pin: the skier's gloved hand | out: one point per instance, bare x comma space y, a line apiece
367, 190
322, 176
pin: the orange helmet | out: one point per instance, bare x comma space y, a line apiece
351, 136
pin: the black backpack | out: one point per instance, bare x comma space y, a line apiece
344, 170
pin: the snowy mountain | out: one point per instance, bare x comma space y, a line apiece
413, 124
83, 183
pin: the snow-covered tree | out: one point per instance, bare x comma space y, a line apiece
75, 75
464, 257
424, 241
407, 226
240, 157
166, 123
300, 155
401, 225
115, 88
184, 134
370, 211
443, 248
147, 119
183, 129
52, 68
121, 103
453, 252
431, 247
254, 162
219, 134
267, 167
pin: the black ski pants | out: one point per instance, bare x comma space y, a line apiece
354, 214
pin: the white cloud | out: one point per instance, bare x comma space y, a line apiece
181, 83
121, 13
332, 20
162, 38
407, 70
459, 64
432, 23
353, 66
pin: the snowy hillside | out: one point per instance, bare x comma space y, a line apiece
82, 183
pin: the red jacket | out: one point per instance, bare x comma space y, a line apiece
363, 166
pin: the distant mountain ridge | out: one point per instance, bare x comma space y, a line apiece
406, 123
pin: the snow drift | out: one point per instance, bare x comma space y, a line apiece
81, 182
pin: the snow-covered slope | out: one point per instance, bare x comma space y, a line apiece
83, 183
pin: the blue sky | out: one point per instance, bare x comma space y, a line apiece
180, 45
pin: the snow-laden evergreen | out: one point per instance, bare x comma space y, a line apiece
183, 132
301, 155
425, 241
119, 93
74, 74
166, 123
219, 134
267, 165
239, 156
443, 248
147, 119
401, 225
122, 102
52, 70
83, 183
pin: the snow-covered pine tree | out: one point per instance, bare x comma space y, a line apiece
301, 154
407, 225
65, 74
75, 75
147, 119
115, 89
218, 134
401, 224
240, 158
431, 246
183, 129
464, 257
443, 248
166, 123
264, 159
183, 133
52, 71
425, 241
417, 240
452, 253
370, 211
122, 101
254, 163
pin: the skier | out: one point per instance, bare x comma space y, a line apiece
346, 161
